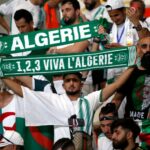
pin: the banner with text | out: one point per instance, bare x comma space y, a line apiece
42, 39
56, 64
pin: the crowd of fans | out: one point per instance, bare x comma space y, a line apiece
103, 109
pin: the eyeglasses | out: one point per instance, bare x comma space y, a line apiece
2, 137
145, 45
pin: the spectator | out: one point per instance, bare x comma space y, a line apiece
107, 115
24, 22
71, 16
136, 89
69, 103
94, 11
124, 133
33, 6
122, 32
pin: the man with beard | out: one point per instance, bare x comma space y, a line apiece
107, 115
124, 133
71, 15
71, 103
137, 89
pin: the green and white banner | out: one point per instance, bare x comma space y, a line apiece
48, 38
55, 64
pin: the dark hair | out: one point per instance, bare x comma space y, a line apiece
129, 124
139, 1
78, 74
22, 13
63, 143
74, 3
109, 108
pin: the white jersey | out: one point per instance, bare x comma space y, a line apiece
104, 143
53, 109
10, 7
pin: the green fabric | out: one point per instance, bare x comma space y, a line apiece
42, 39
58, 64
35, 138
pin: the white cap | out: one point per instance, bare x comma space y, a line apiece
114, 4
11, 137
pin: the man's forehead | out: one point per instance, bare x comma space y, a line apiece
146, 39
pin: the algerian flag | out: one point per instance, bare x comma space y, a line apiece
35, 138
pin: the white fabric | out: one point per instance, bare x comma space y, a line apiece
147, 23
97, 13
53, 109
11, 6
115, 4
129, 37
13, 137
104, 143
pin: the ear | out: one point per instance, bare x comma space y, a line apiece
82, 85
129, 135
78, 12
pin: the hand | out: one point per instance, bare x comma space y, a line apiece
113, 45
101, 30
133, 16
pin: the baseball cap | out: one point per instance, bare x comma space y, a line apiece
10, 137
114, 4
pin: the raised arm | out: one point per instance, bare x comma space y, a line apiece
14, 86
75, 48
26, 81
111, 88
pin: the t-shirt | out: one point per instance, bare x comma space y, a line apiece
104, 143
57, 109
137, 92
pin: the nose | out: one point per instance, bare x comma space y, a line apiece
113, 136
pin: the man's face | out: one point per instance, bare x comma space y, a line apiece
72, 84
143, 46
69, 13
105, 125
117, 16
119, 138
23, 26
90, 4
